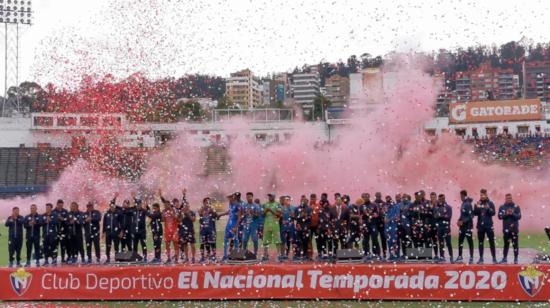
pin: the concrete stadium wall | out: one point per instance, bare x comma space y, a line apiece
16, 132
440, 125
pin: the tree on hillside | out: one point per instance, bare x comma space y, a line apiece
342, 69
325, 71
511, 54
353, 64
225, 103
320, 105
536, 53
190, 111
366, 59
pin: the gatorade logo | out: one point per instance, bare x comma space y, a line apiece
458, 113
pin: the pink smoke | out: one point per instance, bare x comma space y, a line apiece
78, 183
386, 151
383, 150
363, 158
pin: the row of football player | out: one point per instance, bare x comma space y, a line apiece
364, 224
399, 224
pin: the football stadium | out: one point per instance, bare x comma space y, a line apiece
246, 154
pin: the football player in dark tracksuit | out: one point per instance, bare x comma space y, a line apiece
369, 212
416, 221
207, 231
33, 223
15, 236
442, 216
50, 234
355, 224
92, 218
62, 236
325, 229
74, 228
391, 222
465, 225
156, 229
485, 210
342, 222
430, 224
404, 225
139, 229
510, 214
186, 232
111, 230
382, 209
127, 215
302, 215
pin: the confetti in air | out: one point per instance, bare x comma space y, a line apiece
126, 67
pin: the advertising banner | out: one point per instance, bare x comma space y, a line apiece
495, 111
276, 281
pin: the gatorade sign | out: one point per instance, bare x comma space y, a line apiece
495, 111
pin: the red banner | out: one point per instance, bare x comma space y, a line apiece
277, 281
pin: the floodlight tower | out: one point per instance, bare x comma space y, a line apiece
12, 14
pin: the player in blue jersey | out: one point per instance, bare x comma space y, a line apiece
234, 212
252, 213
288, 230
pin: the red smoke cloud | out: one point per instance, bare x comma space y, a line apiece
383, 150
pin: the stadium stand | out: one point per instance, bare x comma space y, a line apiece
524, 150
28, 170
29, 166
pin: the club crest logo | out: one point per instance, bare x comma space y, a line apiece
20, 281
531, 280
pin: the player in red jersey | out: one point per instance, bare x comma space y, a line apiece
170, 220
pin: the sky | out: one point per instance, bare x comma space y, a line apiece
72, 38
